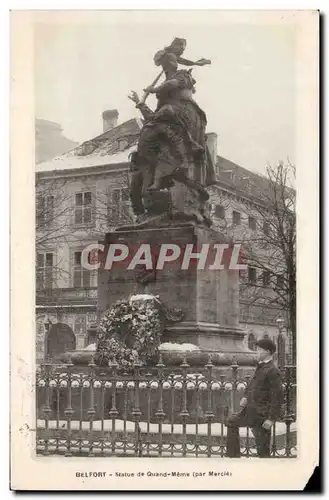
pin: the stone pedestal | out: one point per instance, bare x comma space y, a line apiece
208, 298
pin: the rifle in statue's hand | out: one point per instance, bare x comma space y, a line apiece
148, 89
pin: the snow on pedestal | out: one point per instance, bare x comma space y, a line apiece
142, 297
90, 347
169, 346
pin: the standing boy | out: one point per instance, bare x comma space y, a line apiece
261, 405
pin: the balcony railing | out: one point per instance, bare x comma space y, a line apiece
63, 295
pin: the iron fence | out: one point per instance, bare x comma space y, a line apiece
152, 411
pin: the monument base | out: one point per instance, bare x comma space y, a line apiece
207, 336
208, 299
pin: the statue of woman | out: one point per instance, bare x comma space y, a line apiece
173, 55
172, 145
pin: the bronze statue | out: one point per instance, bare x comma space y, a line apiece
172, 55
172, 166
169, 58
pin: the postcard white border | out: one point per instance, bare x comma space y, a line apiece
49, 473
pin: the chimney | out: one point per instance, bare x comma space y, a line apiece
110, 119
211, 139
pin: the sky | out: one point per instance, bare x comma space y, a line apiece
248, 92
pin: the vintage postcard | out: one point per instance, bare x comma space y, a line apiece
164, 250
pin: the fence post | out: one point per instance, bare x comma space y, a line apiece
136, 413
209, 413
184, 414
113, 413
47, 409
247, 381
234, 367
223, 415
289, 414
160, 413
281, 350
68, 411
91, 411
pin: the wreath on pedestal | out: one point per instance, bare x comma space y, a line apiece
129, 333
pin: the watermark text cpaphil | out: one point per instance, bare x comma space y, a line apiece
207, 256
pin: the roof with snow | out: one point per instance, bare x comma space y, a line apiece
115, 146
236, 177
112, 147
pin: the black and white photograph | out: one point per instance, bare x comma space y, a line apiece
165, 223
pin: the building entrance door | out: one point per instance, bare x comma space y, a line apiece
59, 340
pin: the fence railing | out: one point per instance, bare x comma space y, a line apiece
152, 411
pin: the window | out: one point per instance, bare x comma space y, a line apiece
83, 207
80, 327
81, 276
44, 270
219, 211
122, 144
280, 281
87, 148
252, 275
236, 218
266, 228
118, 206
45, 209
252, 223
266, 278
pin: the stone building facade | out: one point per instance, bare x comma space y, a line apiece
83, 194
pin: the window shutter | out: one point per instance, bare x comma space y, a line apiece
266, 278
116, 197
40, 206
50, 208
252, 223
78, 199
266, 228
236, 218
49, 259
77, 277
48, 277
87, 198
85, 277
78, 215
109, 205
40, 265
219, 211
40, 259
252, 275
87, 214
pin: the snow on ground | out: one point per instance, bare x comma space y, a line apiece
217, 429
151, 450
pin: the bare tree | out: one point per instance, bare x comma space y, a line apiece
66, 218
268, 240
53, 211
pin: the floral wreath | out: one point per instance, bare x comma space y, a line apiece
129, 333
